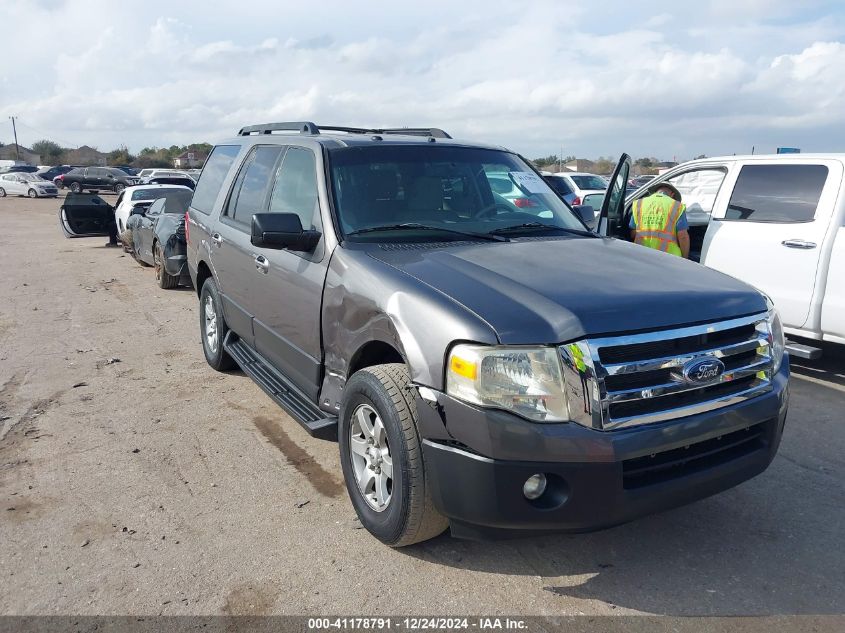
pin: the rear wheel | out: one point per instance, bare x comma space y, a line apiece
75, 187
165, 280
213, 327
32, 193
382, 460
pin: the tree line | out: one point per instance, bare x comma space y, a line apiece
54, 154
601, 165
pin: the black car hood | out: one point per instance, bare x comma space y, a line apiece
557, 290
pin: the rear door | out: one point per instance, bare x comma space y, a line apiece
611, 218
772, 229
85, 215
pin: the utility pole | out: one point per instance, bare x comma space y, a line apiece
15, 132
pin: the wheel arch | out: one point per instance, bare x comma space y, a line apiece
203, 273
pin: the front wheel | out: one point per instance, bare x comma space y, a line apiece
32, 193
75, 187
118, 188
382, 460
2, 192
213, 327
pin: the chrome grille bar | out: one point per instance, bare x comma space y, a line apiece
654, 389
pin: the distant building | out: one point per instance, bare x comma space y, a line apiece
189, 159
580, 164
85, 156
19, 152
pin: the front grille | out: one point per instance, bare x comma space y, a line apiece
686, 460
639, 379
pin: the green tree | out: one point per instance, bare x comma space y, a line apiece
121, 156
50, 152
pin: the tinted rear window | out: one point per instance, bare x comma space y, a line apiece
558, 184
777, 193
212, 177
155, 194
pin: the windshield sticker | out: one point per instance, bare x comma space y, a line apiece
527, 181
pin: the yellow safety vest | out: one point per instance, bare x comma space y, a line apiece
655, 218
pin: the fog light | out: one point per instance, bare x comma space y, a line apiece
534, 486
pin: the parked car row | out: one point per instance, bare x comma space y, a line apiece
150, 220
26, 184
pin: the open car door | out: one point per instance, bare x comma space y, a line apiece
85, 215
611, 219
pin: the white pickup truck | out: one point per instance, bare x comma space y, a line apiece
776, 222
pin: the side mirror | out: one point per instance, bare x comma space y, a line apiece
586, 213
282, 230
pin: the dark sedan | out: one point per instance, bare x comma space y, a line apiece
96, 179
158, 238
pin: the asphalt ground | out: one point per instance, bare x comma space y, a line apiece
136, 480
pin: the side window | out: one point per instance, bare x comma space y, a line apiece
250, 191
212, 177
699, 188
295, 189
777, 193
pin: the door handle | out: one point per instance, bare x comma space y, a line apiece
799, 244
215, 237
261, 264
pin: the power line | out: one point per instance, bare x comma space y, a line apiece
48, 136
15, 132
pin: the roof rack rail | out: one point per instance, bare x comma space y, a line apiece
303, 127
307, 127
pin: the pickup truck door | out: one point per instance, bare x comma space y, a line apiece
85, 215
611, 217
771, 230
289, 285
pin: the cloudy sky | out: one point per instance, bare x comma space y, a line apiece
668, 79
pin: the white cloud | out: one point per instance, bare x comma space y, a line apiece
598, 79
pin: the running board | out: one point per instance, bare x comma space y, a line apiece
318, 423
803, 351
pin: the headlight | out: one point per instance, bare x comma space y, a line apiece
524, 380
776, 338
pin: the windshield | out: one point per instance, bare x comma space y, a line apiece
452, 188
589, 182
31, 177
158, 192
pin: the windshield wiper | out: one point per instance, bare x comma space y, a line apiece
531, 226
425, 227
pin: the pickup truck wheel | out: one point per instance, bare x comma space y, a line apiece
213, 328
165, 280
75, 187
382, 460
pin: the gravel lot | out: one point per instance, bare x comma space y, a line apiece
136, 480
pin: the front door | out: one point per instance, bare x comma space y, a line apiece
611, 218
289, 294
232, 254
771, 231
85, 215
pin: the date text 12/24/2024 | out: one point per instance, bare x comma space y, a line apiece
416, 623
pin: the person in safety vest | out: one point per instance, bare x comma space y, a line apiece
659, 221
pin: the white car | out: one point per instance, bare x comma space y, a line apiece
147, 174
583, 184
23, 184
141, 196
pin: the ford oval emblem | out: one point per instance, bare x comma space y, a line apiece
703, 370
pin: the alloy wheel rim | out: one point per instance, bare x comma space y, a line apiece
372, 463
210, 324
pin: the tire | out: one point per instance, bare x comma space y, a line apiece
2, 192
216, 357
165, 280
409, 515
75, 187
32, 193
118, 188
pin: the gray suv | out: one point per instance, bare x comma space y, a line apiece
486, 363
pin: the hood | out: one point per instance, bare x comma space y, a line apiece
561, 289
